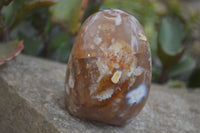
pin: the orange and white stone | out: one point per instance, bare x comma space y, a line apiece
109, 70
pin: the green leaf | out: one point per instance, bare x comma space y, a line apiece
9, 11
27, 8
67, 13
181, 68
165, 58
170, 38
10, 50
171, 34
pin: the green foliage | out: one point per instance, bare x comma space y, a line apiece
4, 3
10, 11
25, 9
59, 38
67, 14
171, 46
10, 50
49, 28
170, 41
171, 34
181, 67
11, 16
11, 46
63, 52
60, 46
16, 11
33, 44
35, 22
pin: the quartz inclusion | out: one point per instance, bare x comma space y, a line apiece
109, 70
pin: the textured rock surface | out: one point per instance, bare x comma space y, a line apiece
32, 100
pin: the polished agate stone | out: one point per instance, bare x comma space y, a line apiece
109, 70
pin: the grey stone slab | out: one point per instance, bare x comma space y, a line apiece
32, 100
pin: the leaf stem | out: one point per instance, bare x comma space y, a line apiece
45, 41
163, 75
4, 35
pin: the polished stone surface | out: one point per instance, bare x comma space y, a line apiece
109, 71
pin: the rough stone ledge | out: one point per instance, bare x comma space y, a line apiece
32, 101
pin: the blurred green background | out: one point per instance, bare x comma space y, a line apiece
49, 28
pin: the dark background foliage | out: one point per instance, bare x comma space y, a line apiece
48, 29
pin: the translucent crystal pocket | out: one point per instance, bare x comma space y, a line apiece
109, 71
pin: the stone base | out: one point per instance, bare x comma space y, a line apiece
32, 101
